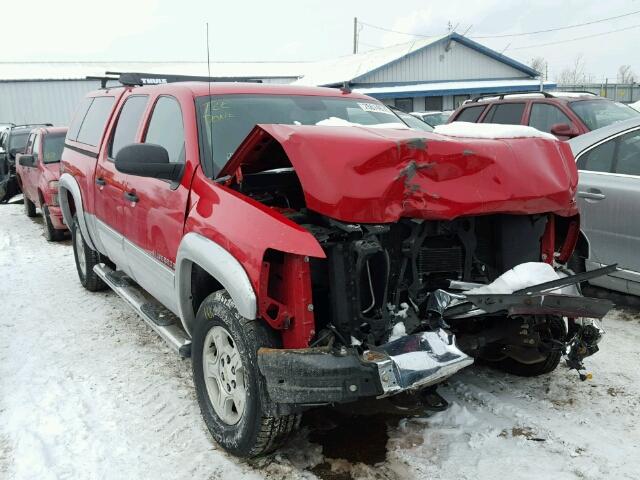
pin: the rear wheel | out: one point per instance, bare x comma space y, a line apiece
230, 389
51, 233
29, 207
86, 258
553, 330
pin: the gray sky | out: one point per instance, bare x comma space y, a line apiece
285, 30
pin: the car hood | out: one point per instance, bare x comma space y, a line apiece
373, 175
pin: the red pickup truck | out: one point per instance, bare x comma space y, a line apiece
38, 170
305, 247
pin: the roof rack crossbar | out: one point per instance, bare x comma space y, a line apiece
502, 95
134, 79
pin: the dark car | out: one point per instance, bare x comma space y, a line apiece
13, 141
563, 114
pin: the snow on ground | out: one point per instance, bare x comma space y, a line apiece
88, 391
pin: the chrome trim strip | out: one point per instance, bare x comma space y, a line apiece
222, 266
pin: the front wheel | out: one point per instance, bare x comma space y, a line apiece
230, 388
86, 258
554, 330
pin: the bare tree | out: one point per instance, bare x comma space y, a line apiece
575, 74
625, 74
539, 64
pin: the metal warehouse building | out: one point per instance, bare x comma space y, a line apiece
428, 74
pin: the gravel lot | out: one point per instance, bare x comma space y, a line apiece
88, 391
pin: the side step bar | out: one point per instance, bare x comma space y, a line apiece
161, 320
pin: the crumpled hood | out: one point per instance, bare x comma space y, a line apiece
358, 174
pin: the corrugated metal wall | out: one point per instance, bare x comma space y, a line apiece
435, 64
43, 101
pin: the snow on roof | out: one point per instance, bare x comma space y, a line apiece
343, 69
635, 106
79, 70
480, 85
490, 130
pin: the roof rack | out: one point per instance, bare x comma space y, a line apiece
138, 79
502, 95
33, 125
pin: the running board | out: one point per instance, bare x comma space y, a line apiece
161, 320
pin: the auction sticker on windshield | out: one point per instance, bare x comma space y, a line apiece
373, 107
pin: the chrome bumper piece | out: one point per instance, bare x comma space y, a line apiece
417, 361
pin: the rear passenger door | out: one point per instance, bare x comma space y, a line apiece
505, 113
111, 185
608, 197
155, 217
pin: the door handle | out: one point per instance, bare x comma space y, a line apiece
592, 194
101, 181
131, 197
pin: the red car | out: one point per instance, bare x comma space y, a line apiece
38, 171
306, 248
563, 114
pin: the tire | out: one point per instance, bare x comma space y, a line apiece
86, 258
558, 331
239, 420
50, 233
29, 207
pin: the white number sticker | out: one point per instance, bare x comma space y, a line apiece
373, 107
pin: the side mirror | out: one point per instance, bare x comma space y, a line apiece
564, 130
148, 160
27, 160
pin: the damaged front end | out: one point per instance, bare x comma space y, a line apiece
411, 229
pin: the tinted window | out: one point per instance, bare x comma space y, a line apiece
470, 114
128, 122
628, 155
404, 104
166, 128
18, 140
81, 111
53, 145
544, 116
95, 121
598, 159
505, 113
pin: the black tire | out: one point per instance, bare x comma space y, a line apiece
558, 331
50, 233
256, 432
88, 278
29, 207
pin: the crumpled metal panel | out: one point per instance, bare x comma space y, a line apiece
357, 174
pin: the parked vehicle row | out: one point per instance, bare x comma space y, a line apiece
604, 138
304, 247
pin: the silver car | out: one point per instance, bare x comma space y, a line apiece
609, 201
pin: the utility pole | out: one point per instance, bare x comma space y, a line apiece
355, 35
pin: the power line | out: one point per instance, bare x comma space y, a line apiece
548, 30
593, 22
577, 38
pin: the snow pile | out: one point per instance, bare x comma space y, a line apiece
341, 122
398, 331
519, 277
490, 130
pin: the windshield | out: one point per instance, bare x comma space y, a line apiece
53, 145
600, 113
230, 118
435, 119
414, 122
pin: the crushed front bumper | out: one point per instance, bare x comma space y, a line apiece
316, 376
